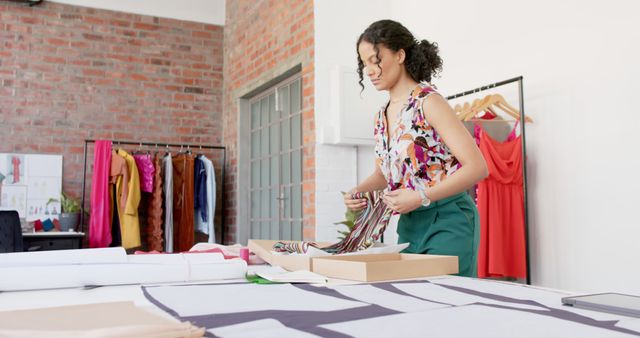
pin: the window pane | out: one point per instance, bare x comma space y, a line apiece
285, 169
275, 138
272, 109
285, 133
275, 192
286, 230
295, 97
255, 115
255, 174
264, 200
264, 167
255, 204
296, 230
255, 229
275, 172
264, 115
264, 143
296, 134
275, 229
255, 214
287, 202
283, 101
296, 167
264, 226
255, 144
296, 201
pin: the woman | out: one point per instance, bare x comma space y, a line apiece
425, 158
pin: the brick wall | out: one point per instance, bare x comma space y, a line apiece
262, 40
68, 73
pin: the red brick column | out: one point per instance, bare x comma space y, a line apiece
262, 40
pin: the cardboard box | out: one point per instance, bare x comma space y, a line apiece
263, 247
365, 268
380, 267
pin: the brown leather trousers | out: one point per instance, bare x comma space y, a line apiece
183, 212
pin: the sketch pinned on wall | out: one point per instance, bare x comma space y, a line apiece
39, 209
14, 197
12, 167
28, 181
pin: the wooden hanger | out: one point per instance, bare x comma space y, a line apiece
469, 109
489, 102
457, 108
476, 107
500, 102
464, 112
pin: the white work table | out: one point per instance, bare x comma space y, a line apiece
444, 306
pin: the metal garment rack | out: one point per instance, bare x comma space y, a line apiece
519, 80
166, 145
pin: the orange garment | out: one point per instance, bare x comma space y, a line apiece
502, 250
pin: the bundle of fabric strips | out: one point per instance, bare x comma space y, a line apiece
369, 226
293, 247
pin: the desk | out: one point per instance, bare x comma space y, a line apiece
52, 240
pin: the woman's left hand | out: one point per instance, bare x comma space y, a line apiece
403, 200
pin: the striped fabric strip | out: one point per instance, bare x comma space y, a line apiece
293, 247
369, 226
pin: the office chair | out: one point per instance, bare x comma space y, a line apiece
10, 232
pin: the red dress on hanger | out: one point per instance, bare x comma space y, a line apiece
502, 251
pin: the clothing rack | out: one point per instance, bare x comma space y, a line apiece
519, 80
166, 145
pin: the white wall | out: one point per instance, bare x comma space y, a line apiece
337, 27
207, 11
580, 62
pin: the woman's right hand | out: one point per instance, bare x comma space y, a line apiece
354, 204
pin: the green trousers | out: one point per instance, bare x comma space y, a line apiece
447, 227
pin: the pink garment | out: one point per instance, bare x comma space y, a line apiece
512, 135
146, 171
99, 223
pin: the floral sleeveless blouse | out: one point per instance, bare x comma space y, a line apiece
414, 156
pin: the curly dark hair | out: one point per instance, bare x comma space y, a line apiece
421, 61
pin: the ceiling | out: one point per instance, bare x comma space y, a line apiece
207, 11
